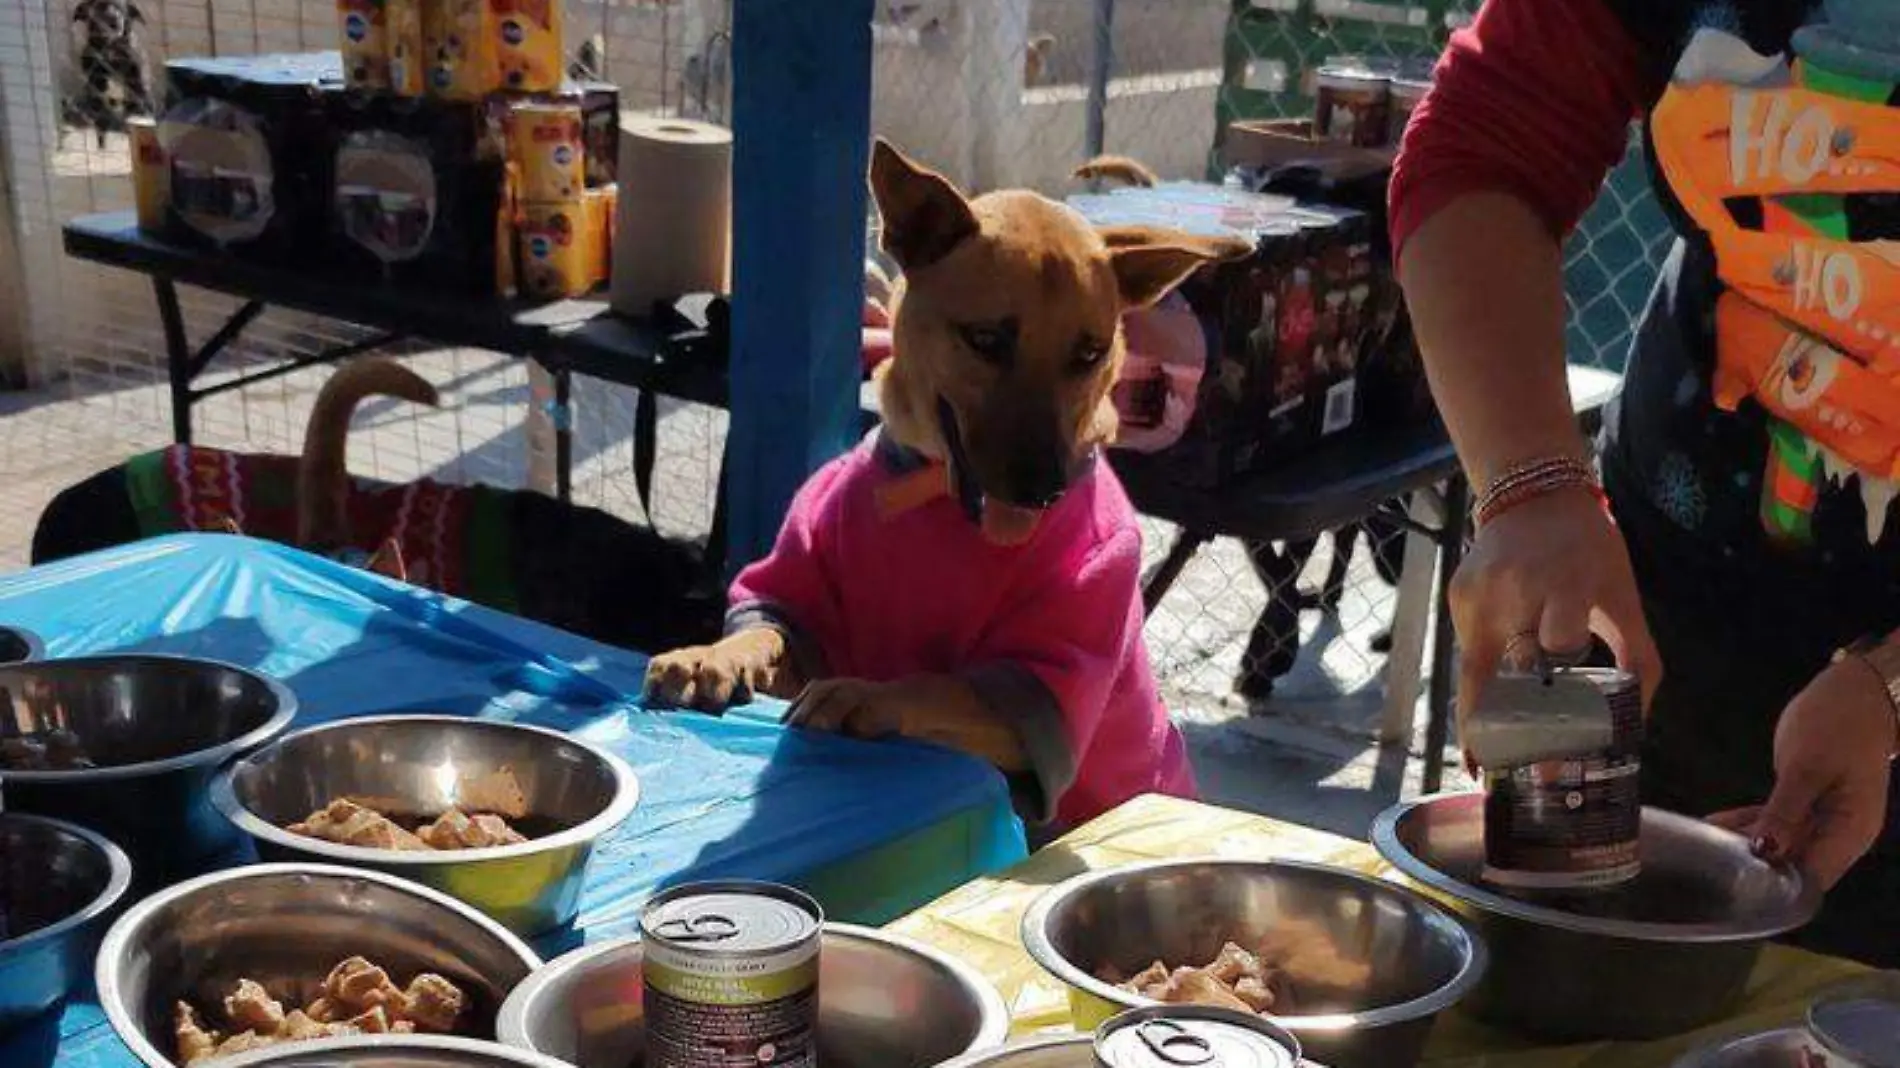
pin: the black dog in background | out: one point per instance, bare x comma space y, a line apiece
574, 568
113, 54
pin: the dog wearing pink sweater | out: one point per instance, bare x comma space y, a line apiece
970, 574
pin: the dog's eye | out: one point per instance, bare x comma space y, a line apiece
1089, 357
991, 343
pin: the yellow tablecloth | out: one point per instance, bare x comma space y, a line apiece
978, 923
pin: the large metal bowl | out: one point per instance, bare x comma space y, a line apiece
18, 646
1775, 1049
1676, 957
883, 1002
1180, 911
286, 926
59, 884
570, 794
390, 1051
158, 728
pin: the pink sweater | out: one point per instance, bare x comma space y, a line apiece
878, 574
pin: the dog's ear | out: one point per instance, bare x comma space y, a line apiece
924, 215
1150, 262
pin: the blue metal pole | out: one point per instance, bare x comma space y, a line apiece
801, 118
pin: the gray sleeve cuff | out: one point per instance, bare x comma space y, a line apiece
753, 615
1022, 699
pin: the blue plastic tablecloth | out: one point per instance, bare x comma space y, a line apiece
731, 796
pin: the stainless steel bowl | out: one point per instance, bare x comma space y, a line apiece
157, 727
59, 885
571, 794
883, 1002
286, 926
1776, 1049
390, 1051
1675, 955
18, 646
1422, 961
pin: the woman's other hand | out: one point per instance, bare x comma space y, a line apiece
1833, 754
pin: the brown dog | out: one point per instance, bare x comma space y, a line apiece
984, 479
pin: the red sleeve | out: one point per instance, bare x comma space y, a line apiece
1534, 99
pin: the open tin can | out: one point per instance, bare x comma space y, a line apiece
1193, 1036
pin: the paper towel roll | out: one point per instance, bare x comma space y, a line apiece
674, 229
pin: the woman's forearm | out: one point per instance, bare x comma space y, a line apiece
1484, 279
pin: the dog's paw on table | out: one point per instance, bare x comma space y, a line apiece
713, 678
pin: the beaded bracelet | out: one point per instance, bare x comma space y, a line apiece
1533, 479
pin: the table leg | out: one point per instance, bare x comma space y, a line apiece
1410, 615
1451, 540
1186, 544
177, 357
564, 436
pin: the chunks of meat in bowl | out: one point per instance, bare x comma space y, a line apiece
346, 822
1236, 979
356, 998
1297, 962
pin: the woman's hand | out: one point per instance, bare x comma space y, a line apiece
1833, 754
1554, 567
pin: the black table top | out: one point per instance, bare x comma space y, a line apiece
584, 336
1340, 482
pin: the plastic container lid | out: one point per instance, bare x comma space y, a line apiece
1859, 1021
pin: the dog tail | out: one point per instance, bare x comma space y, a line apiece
1117, 169
323, 474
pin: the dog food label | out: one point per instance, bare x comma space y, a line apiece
731, 977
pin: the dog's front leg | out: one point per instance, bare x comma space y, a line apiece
944, 709
715, 677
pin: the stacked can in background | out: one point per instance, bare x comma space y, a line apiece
564, 231
1365, 102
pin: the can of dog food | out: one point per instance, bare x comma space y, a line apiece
731, 976
527, 44
1351, 103
600, 206
544, 140
408, 66
1173, 1036
151, 174
1408, 91
1563, 816
459, 48
364, 42
555, 252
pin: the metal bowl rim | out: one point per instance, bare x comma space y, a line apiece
211, 755
35, 646
1477, 957
1706, 1056
394, 1043
224, 797
1385, 839
112, 949
976, 1057
511, 1021
118, 881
